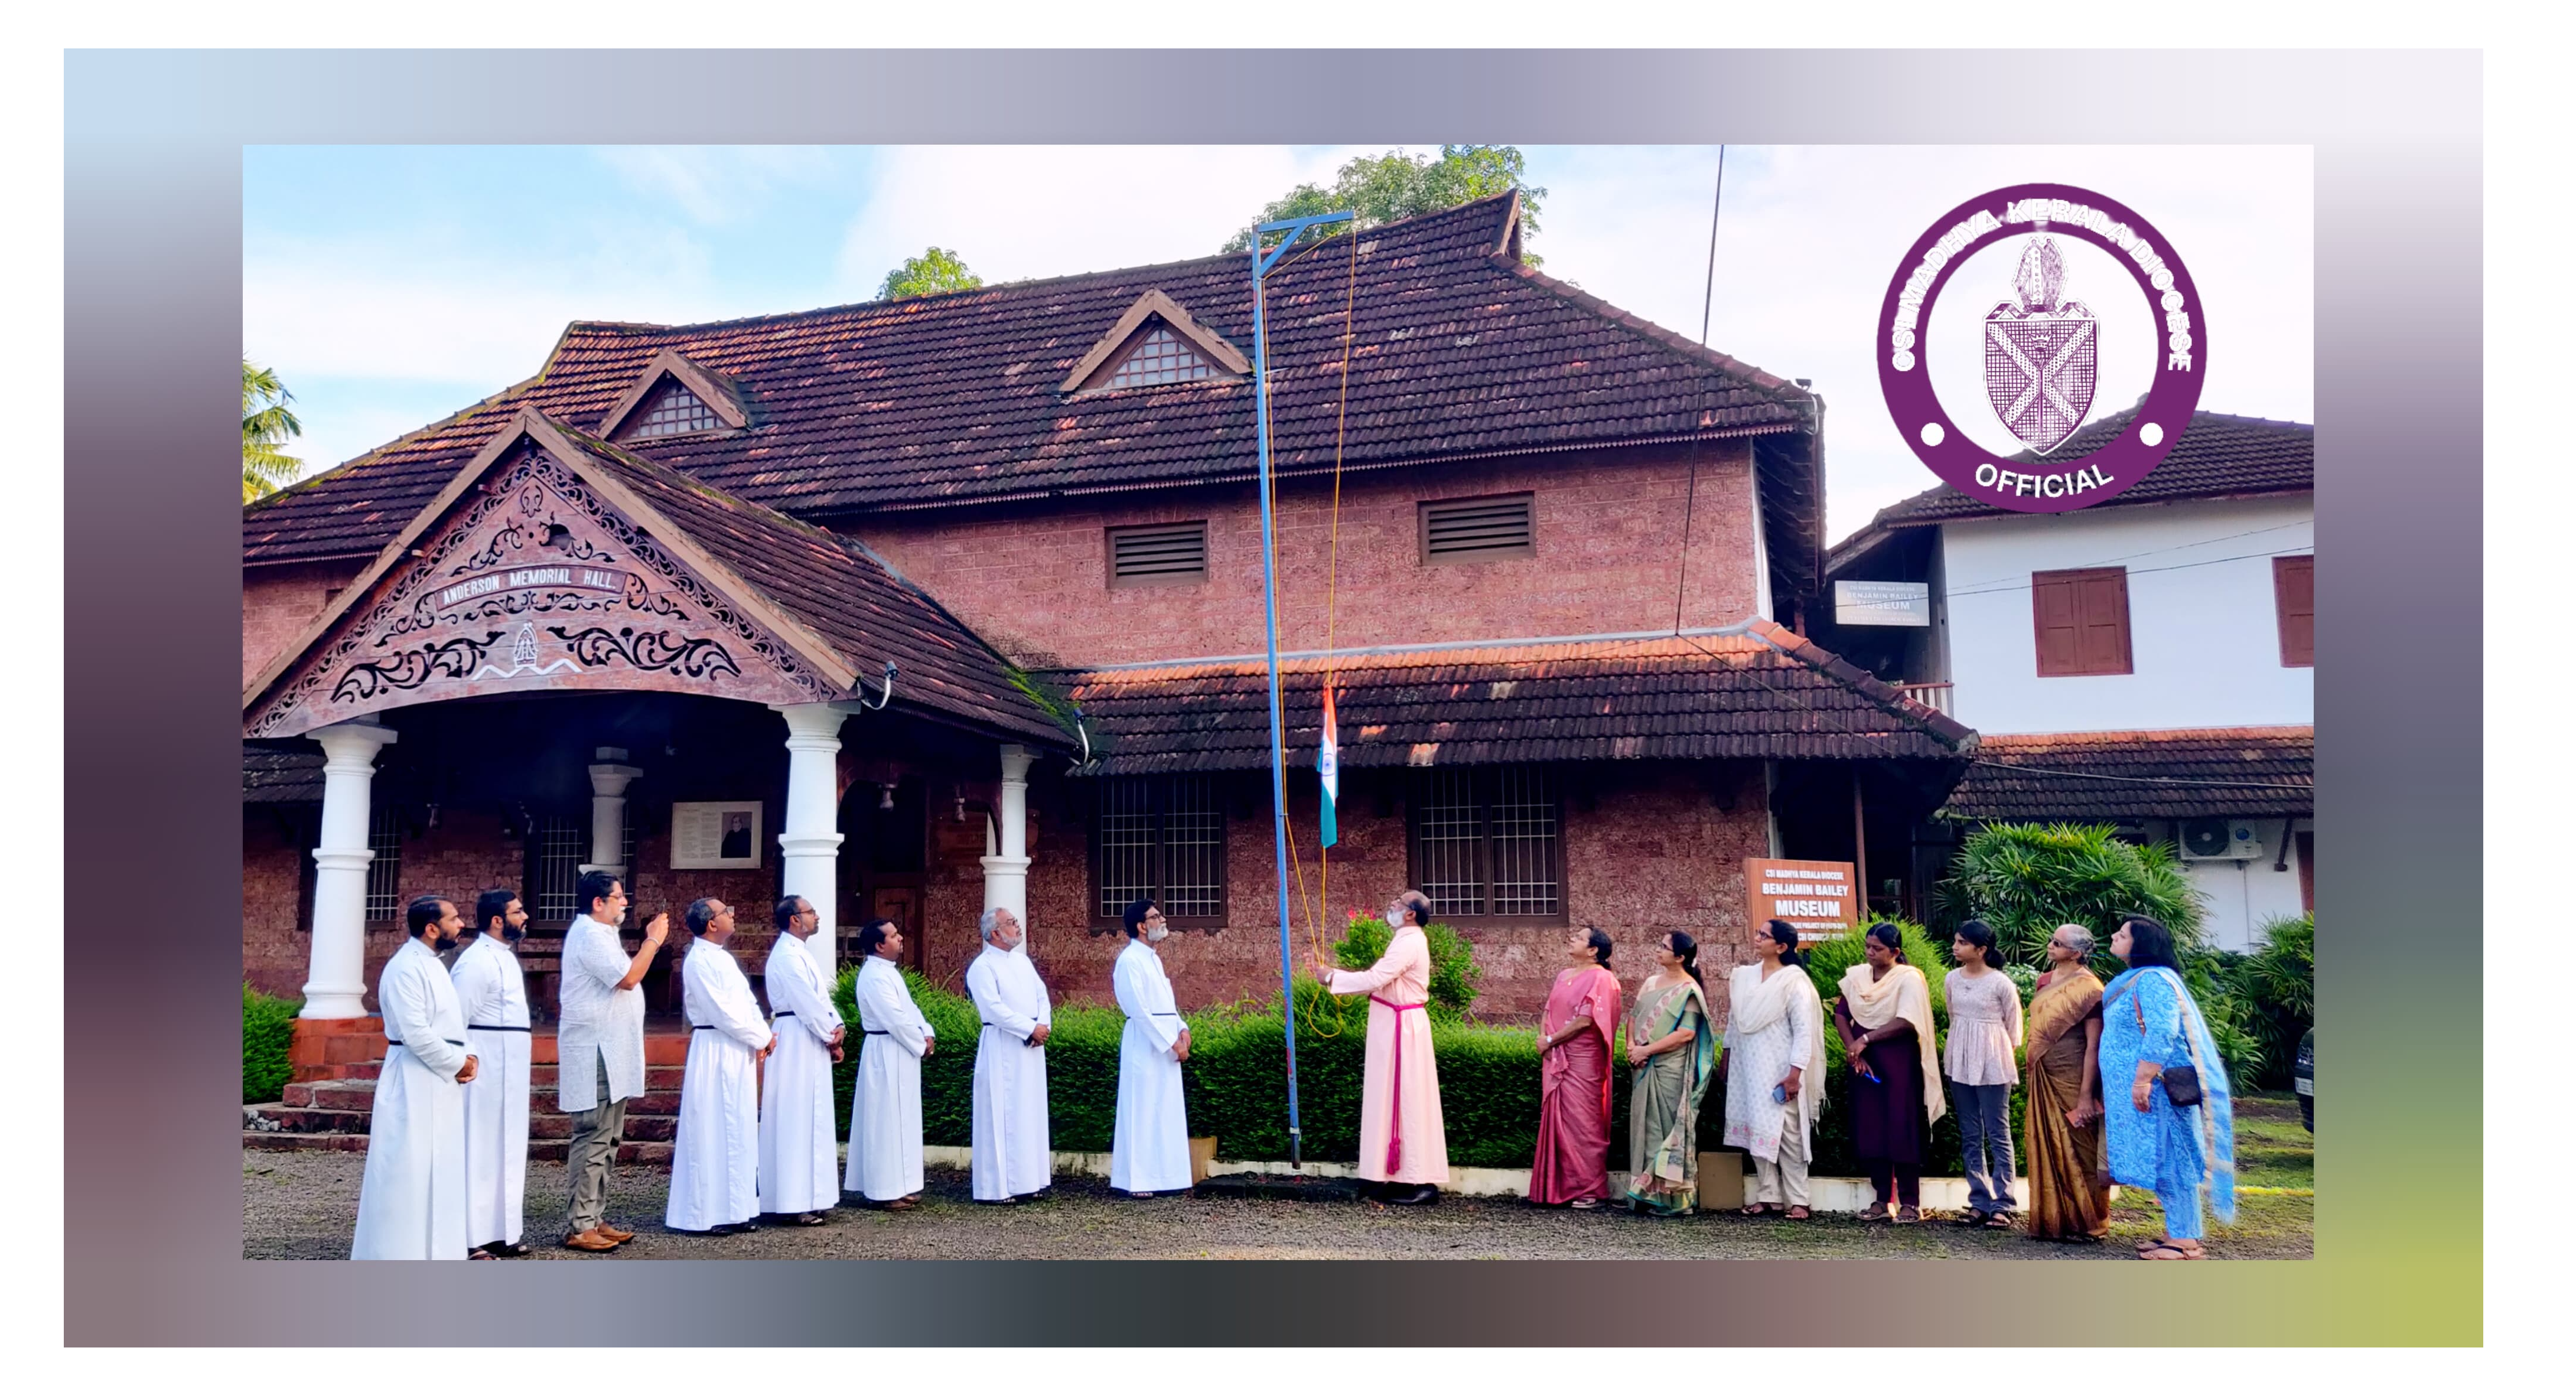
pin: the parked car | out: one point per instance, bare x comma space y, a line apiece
2303, 1079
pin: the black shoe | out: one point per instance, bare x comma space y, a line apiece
1419, 1195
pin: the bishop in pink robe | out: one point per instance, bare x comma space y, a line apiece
1401, 1141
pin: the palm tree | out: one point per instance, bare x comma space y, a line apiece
266, 427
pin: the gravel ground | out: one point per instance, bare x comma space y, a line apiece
302, 1204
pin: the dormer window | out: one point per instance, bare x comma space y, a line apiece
673, 396
1155, 342
673, 410
1159, 356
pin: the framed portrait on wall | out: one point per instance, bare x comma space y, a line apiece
715, 836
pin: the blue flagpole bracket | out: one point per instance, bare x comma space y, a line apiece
1262, 262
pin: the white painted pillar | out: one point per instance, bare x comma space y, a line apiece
609, 776
1006, 875
810, 846
335, 982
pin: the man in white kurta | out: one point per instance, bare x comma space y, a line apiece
1011, 1156
411, 1202
885, 1107
494, 996
715, 1157
799, 1151
1151, 1150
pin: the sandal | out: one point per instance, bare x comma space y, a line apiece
1795, 1212
2147, 1246
478, 1255
1999, 1220
1909, 1214
2170, 1253
1972, 1219
1875, 1214
1755, 1210
1587, 1203
507, 1249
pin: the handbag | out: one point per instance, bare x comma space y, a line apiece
2182, 1083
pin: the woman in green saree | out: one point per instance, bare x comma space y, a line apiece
1673, 1046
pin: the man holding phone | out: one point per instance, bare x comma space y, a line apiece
599, 1045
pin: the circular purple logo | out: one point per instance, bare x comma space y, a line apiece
2041, 349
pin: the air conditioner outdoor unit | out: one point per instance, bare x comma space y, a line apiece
2219, 839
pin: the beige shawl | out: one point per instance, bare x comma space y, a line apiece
1902, 994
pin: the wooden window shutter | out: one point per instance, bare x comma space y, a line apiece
2080, 621
1478, 528
1175, 553
2294, 598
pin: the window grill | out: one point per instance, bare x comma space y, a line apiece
1162, 356
557, 848
1159, 838
1158, 554
384, 873
1488, 843
1478, 528
674, 410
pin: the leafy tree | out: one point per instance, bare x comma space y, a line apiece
1393, 186
2277, 987
266, 427
936, 270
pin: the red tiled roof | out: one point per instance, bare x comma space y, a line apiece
1458, 351
846, 594
2119, 776
1751, 692
2218, 456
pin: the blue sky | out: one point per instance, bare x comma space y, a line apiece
390, 286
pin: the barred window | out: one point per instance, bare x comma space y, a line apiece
1160, 838
1161, 356
384, 873
674, 410
1486, 842
558, 846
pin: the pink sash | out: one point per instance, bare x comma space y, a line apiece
1395, 1104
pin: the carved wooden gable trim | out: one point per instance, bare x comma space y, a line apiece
535, 580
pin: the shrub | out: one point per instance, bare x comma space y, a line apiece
1454, 972
2276, 988
268, 1027
1826, 962
2028, 878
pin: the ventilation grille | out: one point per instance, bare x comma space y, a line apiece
1477, 529
675, 410
1158, 554
1160, 357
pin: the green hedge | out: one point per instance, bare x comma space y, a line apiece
268, 1027
1235, 1080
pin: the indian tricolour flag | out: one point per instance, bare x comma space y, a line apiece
1328, 766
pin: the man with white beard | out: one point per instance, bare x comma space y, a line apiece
885, 1107
1151, 1149
411, 1201
798, 1150
1011, 1156
494, 997
715, 1158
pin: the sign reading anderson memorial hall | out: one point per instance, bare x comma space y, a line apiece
1814, 896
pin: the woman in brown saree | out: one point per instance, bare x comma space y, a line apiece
2068, 1199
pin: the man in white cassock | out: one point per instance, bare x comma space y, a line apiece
1151, 1150
494, 996
411, 1202
715, 1158
885, 1108
1011, 1156
799, 1152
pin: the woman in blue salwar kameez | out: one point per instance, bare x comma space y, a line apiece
2151, 1024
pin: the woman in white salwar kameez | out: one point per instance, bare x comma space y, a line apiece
800, 1147
885, 1105
715, 1159
411, 1197
1774, 1069
1150, 1151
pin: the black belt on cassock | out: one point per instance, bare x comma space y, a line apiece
495, 1028
452, 1042
784, 1013
704, 1027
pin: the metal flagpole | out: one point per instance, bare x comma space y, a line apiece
1262, 263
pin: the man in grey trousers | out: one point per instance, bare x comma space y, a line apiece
599, 1048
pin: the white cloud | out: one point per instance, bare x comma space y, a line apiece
715, 185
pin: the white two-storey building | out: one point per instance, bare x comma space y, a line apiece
2147, 662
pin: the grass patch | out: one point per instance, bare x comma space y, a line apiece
2272, 1151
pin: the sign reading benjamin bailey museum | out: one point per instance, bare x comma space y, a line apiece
1816, 897
1859, 602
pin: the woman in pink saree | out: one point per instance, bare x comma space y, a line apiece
1572, 1166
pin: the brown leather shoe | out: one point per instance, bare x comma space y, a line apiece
611, 1232
590, 1241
